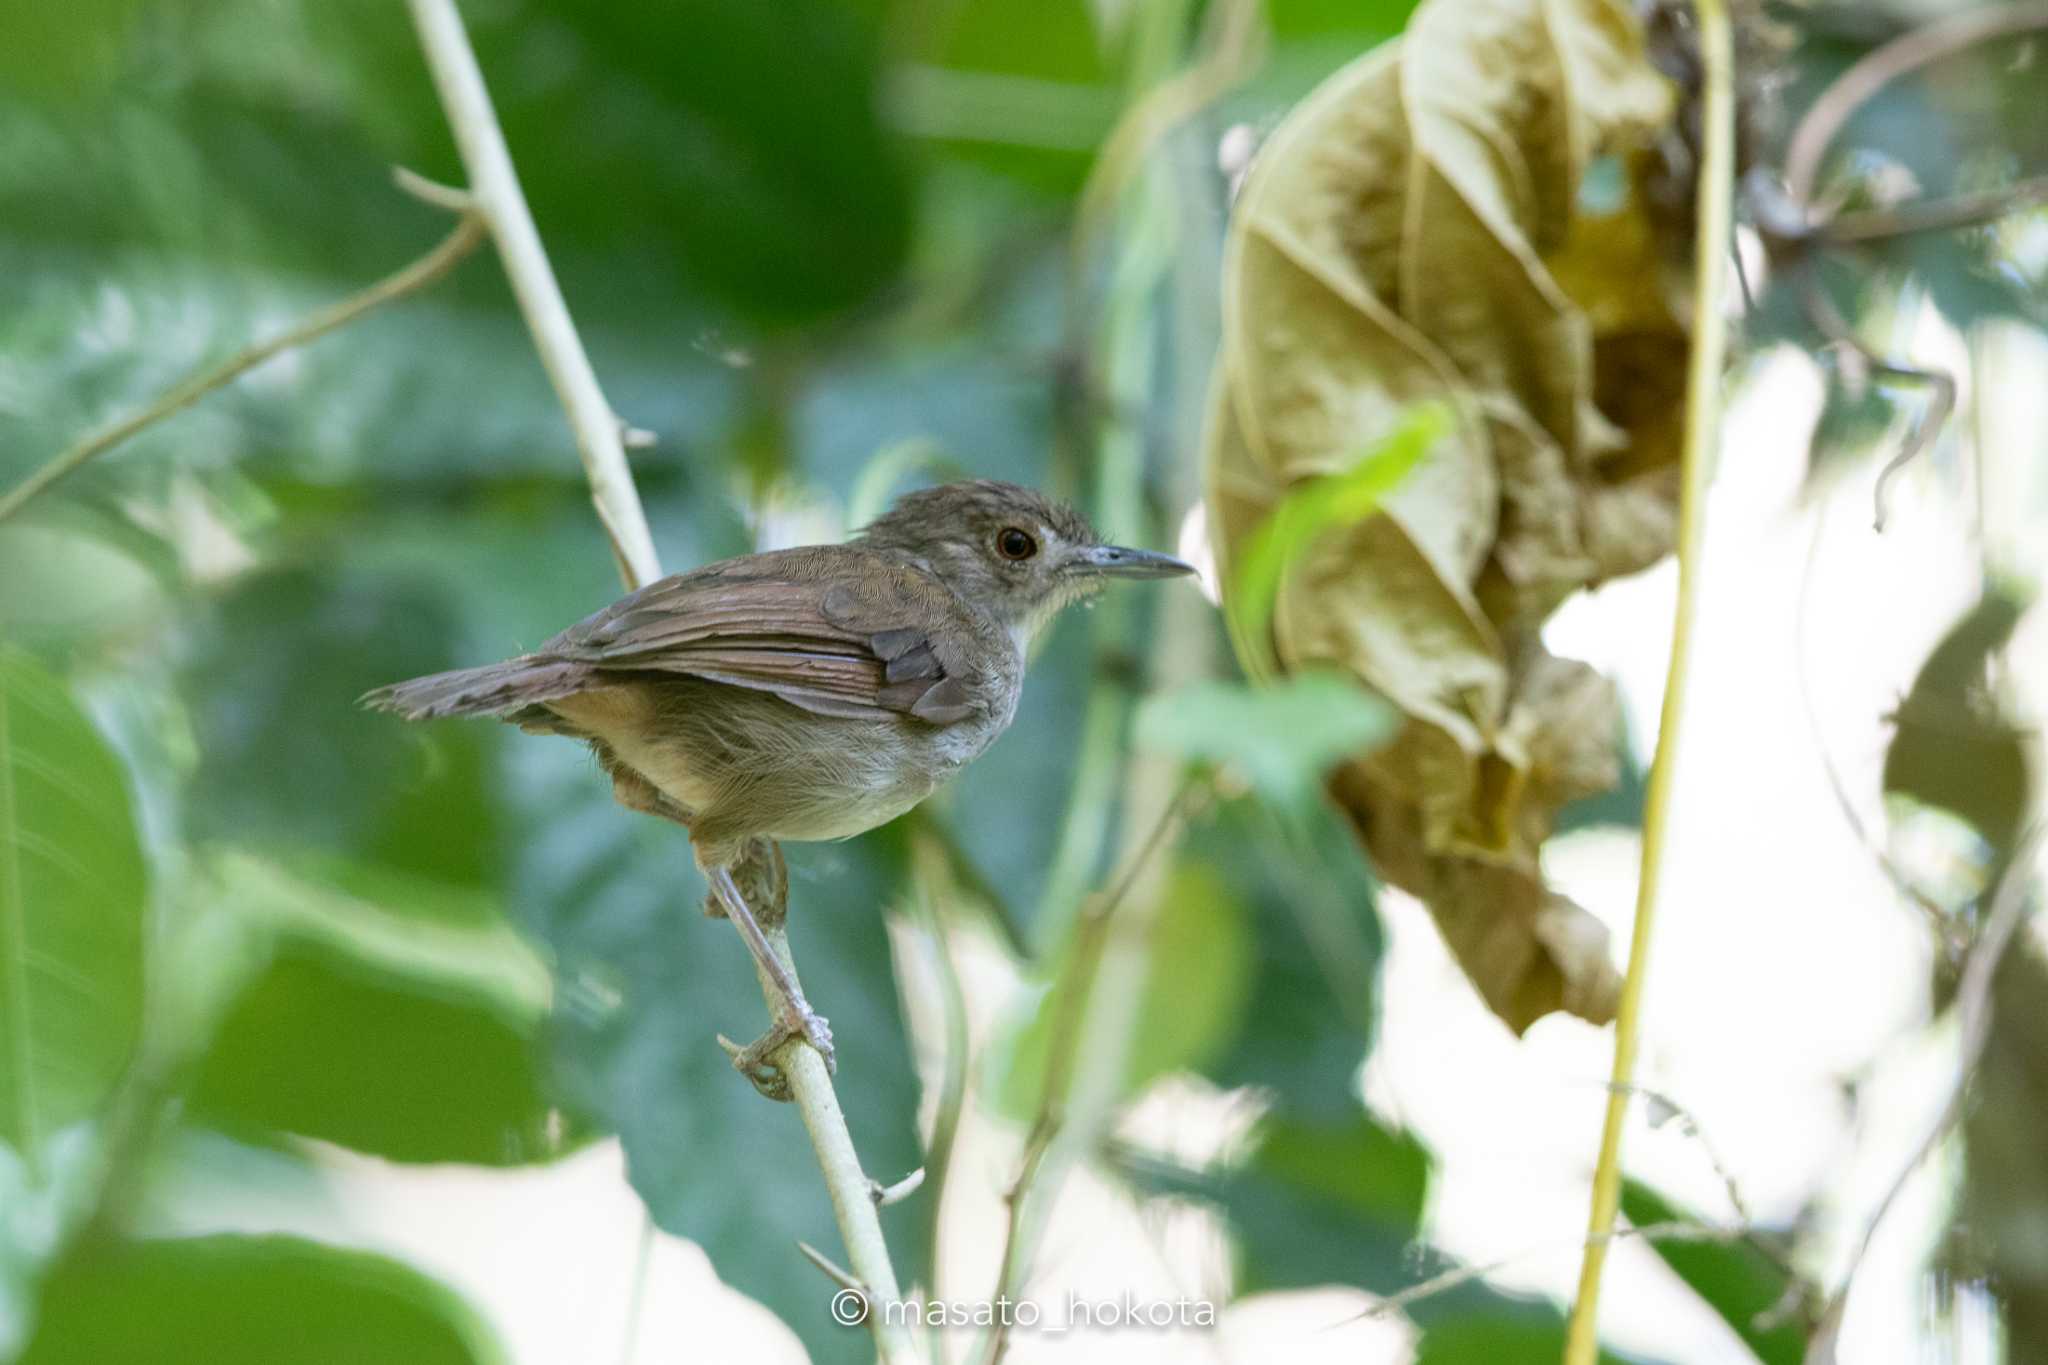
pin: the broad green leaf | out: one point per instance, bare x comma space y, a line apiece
1312, 507
1197, 979
232, 1300
63, 54
1284, 737
1737, 1281
72, 887
406, 1026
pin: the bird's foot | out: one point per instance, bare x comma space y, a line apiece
756, 1061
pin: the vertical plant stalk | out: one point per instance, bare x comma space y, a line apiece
1702, 411
494, 191
494, 187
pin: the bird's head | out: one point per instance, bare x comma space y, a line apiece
1010, 550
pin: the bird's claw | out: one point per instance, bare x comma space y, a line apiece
756, 1061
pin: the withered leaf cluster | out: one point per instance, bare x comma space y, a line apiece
1461, 217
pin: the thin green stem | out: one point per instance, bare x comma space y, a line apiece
1702, 410
413, 278
933, 883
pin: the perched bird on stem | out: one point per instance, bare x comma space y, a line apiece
804, 694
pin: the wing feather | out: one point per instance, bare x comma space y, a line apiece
838, 630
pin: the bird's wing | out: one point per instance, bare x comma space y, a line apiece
839, 632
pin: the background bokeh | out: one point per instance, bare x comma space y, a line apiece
399, 1041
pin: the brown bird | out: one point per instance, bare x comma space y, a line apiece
804, 694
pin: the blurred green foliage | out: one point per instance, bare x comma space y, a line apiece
820, 247
202, 1300
1749, 1289
72, 887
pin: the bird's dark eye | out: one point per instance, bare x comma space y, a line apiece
1012, 543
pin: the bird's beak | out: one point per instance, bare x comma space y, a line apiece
1117, 561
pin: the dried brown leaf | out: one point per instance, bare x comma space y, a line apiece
1417, 230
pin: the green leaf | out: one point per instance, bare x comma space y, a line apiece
1342, 1203
72, 888
1316, 947
231, 1300
1475, 1325
59, 584
1283, 737
1952, 747
1315, 1204
406, 1026
1312, 507
1735, 1279
274, 682
56, 54
1197, 979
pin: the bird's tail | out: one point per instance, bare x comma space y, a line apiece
493, 690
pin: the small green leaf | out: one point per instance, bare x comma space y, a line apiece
1283, 737
1477, 1325
1315, 1204
231, 1300
409, 1028
1953, 748
1736, 1280
1197, 979
71, 905
1311, 508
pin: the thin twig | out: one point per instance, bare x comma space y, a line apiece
423, 272
1070, 1003
835, 1272
1698, 1133
885, 1195
1973, 1012
1939, 921
1702, 409
1810, 142
1764, 1245
636, 1302
1882, 65
931, 867
495, 187
1932, 215
1675, 1231
1941, 387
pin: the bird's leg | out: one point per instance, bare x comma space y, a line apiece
794, 1017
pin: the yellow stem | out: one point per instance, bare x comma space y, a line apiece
1702, 405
